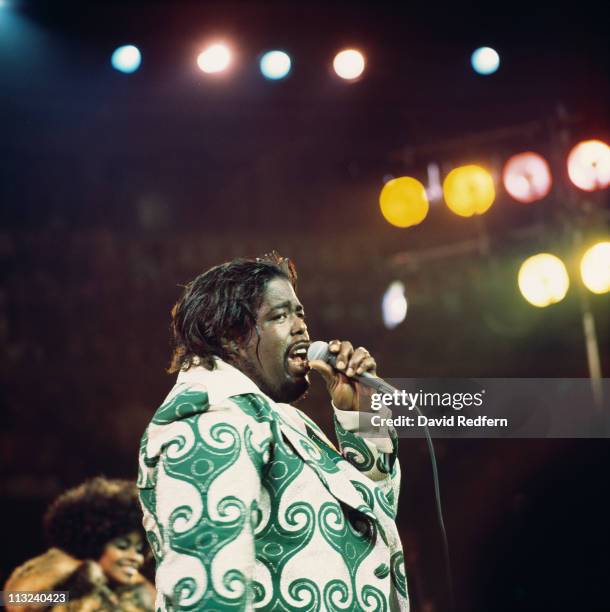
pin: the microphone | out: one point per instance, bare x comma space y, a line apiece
319, 350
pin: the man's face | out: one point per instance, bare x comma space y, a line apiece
281, 372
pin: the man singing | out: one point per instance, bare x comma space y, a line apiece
247, 504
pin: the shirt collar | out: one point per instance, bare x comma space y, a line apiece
222, 382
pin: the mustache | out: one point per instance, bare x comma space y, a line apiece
297, 345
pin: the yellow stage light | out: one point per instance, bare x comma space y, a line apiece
589, 165
543, 280
349, 64
403, 202
527, 177
469, 190
595, 268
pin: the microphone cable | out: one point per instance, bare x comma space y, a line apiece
439, 510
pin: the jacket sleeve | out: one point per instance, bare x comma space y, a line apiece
200, 496
376, 456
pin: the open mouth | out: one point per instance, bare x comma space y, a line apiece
296, 359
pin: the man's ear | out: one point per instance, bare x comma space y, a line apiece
230, 346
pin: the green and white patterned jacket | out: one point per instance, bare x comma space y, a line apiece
247, 504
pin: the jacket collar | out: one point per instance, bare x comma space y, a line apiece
221, 383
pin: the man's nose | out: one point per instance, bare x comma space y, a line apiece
299, 326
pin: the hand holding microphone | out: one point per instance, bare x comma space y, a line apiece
338, 364
344, 369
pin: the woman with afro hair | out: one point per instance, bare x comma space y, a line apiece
97, 550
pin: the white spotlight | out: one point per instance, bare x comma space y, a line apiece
275, 65
126, 59
485, 60
349, 64
215, 58
394, 305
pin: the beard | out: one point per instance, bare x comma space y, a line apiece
287, 391
293, 391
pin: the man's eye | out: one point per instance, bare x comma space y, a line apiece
279, 316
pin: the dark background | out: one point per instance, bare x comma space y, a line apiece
116, 189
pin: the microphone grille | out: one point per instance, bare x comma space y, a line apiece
317, 350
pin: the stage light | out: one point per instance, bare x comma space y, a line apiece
126, 59
349, 64
403, 202
275, 65
595, 268
469, 190
527, 177
394, 305
216, 58
589, 165
543, 280
485, 60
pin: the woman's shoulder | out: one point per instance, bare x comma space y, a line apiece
42, 572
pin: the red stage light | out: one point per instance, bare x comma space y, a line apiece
527, 177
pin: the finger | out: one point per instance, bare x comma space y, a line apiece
343, 357
334, 346
323, 369
358, 356
367, 365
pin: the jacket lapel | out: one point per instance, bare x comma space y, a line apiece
225, 382
323, 461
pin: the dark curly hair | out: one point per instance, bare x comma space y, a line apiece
220, 305
83, 520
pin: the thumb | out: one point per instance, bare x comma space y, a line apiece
323, 369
